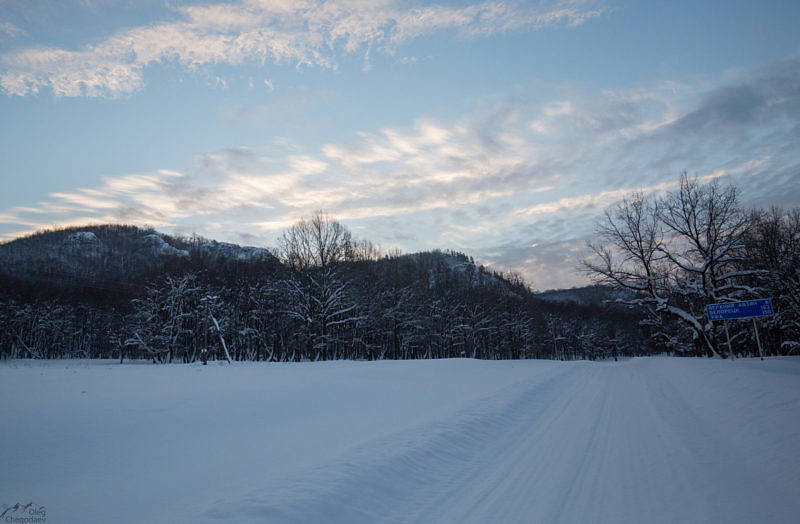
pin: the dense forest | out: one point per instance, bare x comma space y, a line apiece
125, 292
117, 291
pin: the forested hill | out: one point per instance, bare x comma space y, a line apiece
119, 258
122, 291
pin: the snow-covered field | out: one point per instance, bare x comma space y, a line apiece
647, 440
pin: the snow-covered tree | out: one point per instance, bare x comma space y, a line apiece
677, 253
773, 248
314, 250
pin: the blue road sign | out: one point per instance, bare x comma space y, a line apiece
745, 309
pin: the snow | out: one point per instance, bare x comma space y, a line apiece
163, 247
235, 251
646, 440
84, 237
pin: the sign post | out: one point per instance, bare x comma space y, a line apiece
758, 339
728, 336
745, 309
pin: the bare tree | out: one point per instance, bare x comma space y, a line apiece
314, 248
773, 247
317, 241
676, 254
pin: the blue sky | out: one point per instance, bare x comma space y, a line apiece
498, 128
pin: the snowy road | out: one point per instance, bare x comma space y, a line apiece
648, 440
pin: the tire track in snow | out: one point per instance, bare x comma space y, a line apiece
733, 487
592, 442
405, 477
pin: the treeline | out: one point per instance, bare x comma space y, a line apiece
332, 297
676, 253
124, 292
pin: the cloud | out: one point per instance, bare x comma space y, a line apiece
9, 31
301, 32
518, 184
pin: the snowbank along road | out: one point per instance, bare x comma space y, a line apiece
647, 440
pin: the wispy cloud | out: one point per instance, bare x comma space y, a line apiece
10, 31
519, 184
301, 32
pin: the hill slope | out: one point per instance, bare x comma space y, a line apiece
118, 257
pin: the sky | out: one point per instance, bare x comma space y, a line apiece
500, 129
